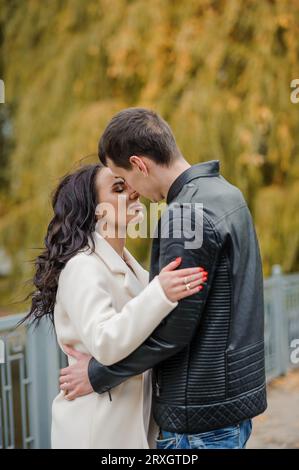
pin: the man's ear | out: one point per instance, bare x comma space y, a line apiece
139, 164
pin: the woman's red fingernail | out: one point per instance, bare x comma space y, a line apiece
178, 259
201, 269
200, 287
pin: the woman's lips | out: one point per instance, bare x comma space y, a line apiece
136, 207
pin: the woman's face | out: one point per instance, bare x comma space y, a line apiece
119, 204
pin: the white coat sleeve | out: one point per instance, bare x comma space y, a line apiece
109, 335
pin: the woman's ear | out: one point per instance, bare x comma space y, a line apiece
139, 164
97, 211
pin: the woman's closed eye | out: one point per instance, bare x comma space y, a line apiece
119, 189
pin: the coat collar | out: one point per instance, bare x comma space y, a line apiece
210, 168
116, 264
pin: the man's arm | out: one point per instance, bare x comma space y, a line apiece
177, 330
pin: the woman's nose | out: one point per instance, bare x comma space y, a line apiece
133, 194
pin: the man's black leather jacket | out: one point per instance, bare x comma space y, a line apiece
207, 355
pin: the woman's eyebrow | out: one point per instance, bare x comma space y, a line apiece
119, 180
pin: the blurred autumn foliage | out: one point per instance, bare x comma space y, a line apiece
218, 71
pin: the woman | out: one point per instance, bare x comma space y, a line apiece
101, 303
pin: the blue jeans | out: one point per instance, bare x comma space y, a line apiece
230, 437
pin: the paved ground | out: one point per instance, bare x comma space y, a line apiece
278, 427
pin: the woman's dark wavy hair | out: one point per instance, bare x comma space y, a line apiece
74, 203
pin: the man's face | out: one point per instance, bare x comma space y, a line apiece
137, 180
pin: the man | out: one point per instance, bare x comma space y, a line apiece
208, 354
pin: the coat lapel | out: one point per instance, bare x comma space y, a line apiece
133, 284
141, 273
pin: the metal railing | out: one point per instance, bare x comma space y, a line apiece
28, 383
30, 369
281, 294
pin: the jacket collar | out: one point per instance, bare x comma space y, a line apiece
116, 264
210, 168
